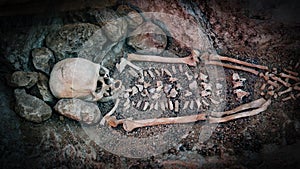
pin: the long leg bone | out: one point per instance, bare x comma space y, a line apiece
190, 60
129, 125
214, 57
232, 66
254, 104
240, 115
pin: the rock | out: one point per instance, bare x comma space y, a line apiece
133, 18
18, 40
114, 26
148, 39
79, 110
76, 40
31, 108
43, 59
42, 90
23, 79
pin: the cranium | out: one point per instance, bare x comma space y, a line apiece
78, 78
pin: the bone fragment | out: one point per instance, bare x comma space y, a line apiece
266, 77
146, 105
106, 117
241, 93
140, 87
174, 69
189, 77
251, 105
162, 106
173, 93
186, 104
172, 79
155, 96
167, 72
126, 95
187, 93
198, 103
216, 63
126, 107
297, 65
191, 105
170, 105
145, 73
151, 106
146, 85
156, 106
180, 68
271, 93
205, 102
276, 85
193, 85
157, 72
176, 106
190, 60
223, 58
297, 79
262, 108
263, 86
151, 74
127, 102
291, 72
139, 104
285, 91
134, 90
203, 77
286, 84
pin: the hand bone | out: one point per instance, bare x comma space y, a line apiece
189, 60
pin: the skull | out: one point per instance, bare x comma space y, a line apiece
78, 78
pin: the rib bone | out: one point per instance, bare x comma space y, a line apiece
190, 60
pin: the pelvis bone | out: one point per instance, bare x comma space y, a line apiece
78, 78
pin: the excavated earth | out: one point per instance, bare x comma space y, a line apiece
263, 32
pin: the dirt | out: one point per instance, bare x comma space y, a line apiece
236, 29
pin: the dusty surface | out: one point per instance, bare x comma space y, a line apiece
263, 34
